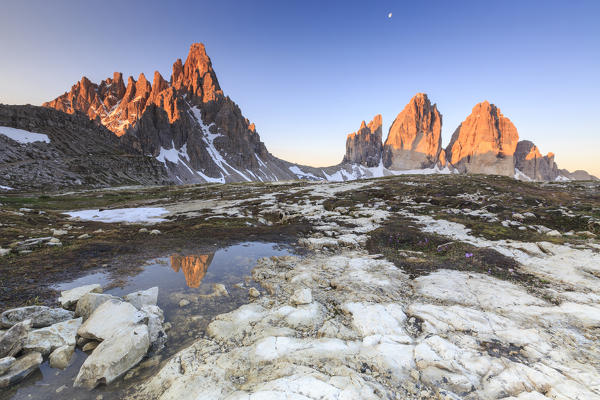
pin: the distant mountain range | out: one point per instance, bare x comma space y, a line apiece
186, 130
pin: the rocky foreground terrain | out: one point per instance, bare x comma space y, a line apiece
424, 287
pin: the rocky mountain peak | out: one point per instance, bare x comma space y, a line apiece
484, 143
414, 139
364, 146
529, 161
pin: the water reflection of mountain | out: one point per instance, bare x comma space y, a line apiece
194, 267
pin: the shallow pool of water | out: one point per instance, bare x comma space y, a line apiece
190, 276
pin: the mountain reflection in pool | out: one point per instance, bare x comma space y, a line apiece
189, 274
194, 267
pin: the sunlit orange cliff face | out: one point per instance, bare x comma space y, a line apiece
194, 267
119, 106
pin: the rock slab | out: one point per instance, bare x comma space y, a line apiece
110, 317
69, 298
12, 341
40, 316
20, 369
114, 356
46, 340
143, 298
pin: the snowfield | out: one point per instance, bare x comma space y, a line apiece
23, 136
149, 215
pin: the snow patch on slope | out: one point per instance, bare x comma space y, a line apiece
303, 175
23, 136
139, 215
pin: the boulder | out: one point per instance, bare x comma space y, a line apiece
40, 316
69, 298
110, 317
5, 364
484, 143
46, 340
12, 341
61, 357
89, 302
142, 298
20, 369
415, 137
364, 146
156, 333
114, 356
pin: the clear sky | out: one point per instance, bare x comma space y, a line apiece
308, 72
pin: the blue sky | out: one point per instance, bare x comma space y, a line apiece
308, 72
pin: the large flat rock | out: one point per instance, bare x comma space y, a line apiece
20, 369
40, 316
69, 298
142, 298
89, 302
110, 317
46, 340
114, 356
12, 341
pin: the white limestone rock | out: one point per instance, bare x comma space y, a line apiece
68, 298
114, 356
40, 316
61, 357
89, 302
46, 340
21, 369
301, 296
143, 298
110, 317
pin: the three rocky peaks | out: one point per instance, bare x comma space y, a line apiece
200, 135
486, 142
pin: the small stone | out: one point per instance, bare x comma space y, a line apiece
167, 326
20, 369
4, 252
220, 290
84, 236
554, 233
58, 232
587, 234
143, 230
302, 296
155, 232
89, 346
184, 303
253, 292
60, 389
69, 298
61, 357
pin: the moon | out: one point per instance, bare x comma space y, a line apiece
390, 15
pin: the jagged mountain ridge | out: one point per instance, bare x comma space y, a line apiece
200, 135
187, 123
486, 142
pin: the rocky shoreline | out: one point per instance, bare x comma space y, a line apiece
117, 333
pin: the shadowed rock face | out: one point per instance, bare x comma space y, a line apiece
364, 146
414, 139
79, 152
530, 161
194, 267
484, 143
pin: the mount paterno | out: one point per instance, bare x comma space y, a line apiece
199, 134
